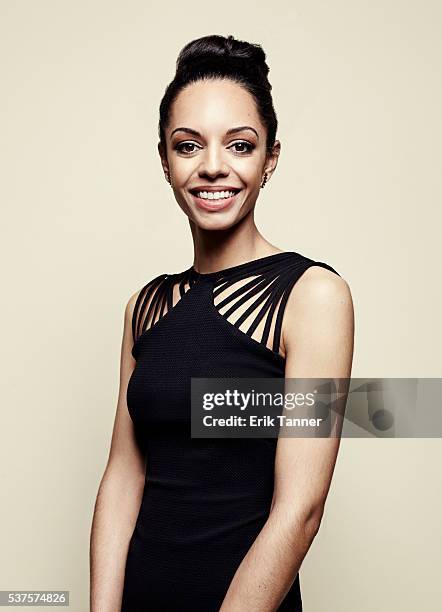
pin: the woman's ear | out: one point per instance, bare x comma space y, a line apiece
164, 162
272, 159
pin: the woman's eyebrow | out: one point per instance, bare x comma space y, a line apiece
234, 130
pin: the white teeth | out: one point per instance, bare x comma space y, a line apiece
215, 195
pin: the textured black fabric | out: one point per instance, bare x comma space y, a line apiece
205, 500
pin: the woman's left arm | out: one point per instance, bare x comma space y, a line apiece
318, 341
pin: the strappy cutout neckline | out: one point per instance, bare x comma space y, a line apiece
248, 298
245, 266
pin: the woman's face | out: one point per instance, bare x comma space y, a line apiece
216, 145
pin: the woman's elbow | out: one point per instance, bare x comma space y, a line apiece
305, 519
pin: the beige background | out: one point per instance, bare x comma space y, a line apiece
88, 218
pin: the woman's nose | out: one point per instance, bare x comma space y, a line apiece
213, 162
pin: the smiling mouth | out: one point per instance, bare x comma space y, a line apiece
214, 195
222, 201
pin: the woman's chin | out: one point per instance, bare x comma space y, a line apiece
215, 222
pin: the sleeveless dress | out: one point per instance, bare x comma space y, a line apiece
205, 500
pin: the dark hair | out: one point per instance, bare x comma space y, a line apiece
218, 57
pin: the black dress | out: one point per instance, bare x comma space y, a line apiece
205, 500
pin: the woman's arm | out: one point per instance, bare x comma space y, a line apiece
318, 342
119, 495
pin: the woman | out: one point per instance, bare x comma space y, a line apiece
201, 525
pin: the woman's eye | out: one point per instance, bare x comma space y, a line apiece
181, 147
242, 143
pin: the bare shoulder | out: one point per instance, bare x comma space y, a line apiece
139, 303
319, 284
130, 306
319, 298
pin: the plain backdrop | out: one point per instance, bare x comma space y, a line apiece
87, 219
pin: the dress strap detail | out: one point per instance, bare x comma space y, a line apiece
261, 300
155, 299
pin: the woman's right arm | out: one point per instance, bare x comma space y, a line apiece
119, 494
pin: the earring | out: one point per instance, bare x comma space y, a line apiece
264, 181
168, 178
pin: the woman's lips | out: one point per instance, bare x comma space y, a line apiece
214, 205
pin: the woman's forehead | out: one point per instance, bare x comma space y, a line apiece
214, 102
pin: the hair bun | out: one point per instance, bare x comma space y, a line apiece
217, 51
